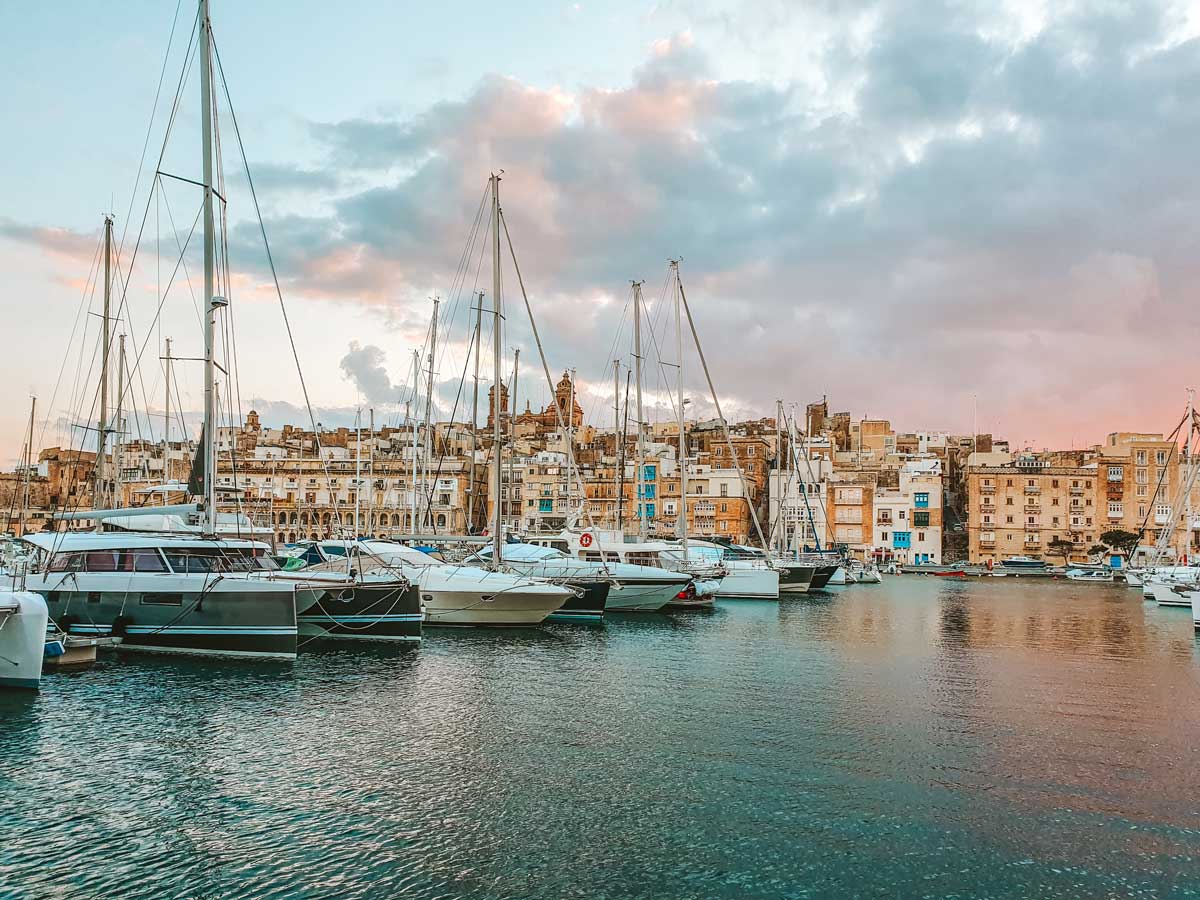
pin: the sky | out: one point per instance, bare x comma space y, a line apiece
938, 213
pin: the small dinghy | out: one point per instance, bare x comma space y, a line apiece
23, 617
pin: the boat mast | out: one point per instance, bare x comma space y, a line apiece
371, 472
637, 368
512, 425
427, 455
408, 411
777, 535
357, 471
1187, 502
211, 302
618, 440
100, 492
118, 422
167, 413
497, 537
28, 464
474, 420
570, 441
682, 518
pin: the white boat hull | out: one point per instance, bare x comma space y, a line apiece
1196, 610
627, 596
751, 582
23, 618
1166, 595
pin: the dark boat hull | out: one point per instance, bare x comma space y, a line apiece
588, 607
821, 576
221, 621
795, 579
386, 611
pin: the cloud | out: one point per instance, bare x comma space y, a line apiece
364, 367
901, 205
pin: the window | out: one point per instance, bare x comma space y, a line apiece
1054, 482
1141, 457
648, 491
545, 505
1161, 457
1054, 501
901, 539
649, 472
1031, 520
903, 513
1140, 476
883, 536
724, 507
1008, 501
723, 524
1141, 490
1115, 509
155, 598
1116, 473
143, 560
920, 519
1008, 520
1009, 484
920, 535
724, 489
921, 499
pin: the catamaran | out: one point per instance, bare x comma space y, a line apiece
156, 591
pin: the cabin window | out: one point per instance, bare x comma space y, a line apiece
102, 560
643, 558
67, 562
155, 598
145, 559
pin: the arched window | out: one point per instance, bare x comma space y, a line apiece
395, 520
282, 538
303, 518
313, 536
441, 520
283, 518
293, 520
291, 537
325, 520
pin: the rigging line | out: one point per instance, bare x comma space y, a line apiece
608, 359
275, 279
459, 280
158, 311
189, 58
187, 275
724, 425
572, 468
92, 271
162, 74
128, 388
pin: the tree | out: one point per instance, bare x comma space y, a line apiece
1063, 547
1097, 550
1123, 542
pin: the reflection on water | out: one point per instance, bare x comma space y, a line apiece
916, 737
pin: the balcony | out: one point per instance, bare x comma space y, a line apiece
883, 520
1116, 514
987, 489
1076, 492
1033, 489
1032, 539
1162, 518
1033, 508
987, 542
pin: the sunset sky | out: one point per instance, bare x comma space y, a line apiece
905, 206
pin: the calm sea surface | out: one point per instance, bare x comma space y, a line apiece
995, 738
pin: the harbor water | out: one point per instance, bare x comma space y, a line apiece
923, 737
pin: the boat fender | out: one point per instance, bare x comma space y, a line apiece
120, 626
65, 622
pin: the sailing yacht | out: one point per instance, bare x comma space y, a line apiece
156, 591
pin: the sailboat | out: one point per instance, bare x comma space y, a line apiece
160, 592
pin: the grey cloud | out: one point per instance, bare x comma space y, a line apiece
365, 367
983, 214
